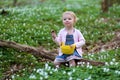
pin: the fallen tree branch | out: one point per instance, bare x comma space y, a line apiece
40, 52
12, 70
37, 52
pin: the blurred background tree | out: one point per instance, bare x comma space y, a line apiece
14, 2
105, 4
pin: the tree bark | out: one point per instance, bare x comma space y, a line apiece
37, 52
14, 2
41, 52
104, 6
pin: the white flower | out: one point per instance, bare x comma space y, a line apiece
90, 67
79, 63
13, 76
73, 70
89, 77
70, 78
105, 70
117, 72
46, 76
90, 58
69, 73
99, 58
49, 68
113, 59
17, 75
88, 63
41, 78
106, 63
32, 76
78, 79
46, 66
57, 66
38, 70
102, 50
111, 63
64, 72
83, 62
92, 55
55, 69
66, 64
51, 72
116, 63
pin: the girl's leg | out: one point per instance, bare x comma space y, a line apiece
59, 60
57, 64
72, 63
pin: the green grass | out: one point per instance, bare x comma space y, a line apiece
48, 72
31, 25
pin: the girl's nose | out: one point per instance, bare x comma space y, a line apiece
67, 20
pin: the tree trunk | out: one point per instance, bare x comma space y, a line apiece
104, 6
14, 2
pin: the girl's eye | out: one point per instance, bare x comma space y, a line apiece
64, 19
69, 18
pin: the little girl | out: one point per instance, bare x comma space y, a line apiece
70, 36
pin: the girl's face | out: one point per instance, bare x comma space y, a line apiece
68, 20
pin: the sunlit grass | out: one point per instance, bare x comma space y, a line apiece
31, 25
77, 73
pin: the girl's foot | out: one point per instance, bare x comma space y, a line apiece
72, 63
57, 66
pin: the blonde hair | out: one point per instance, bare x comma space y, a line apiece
72, 14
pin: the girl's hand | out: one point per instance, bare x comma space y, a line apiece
72, 46
53, 34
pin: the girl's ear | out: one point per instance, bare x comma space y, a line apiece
75, 20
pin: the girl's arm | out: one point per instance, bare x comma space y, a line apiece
55, 38
81, 40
